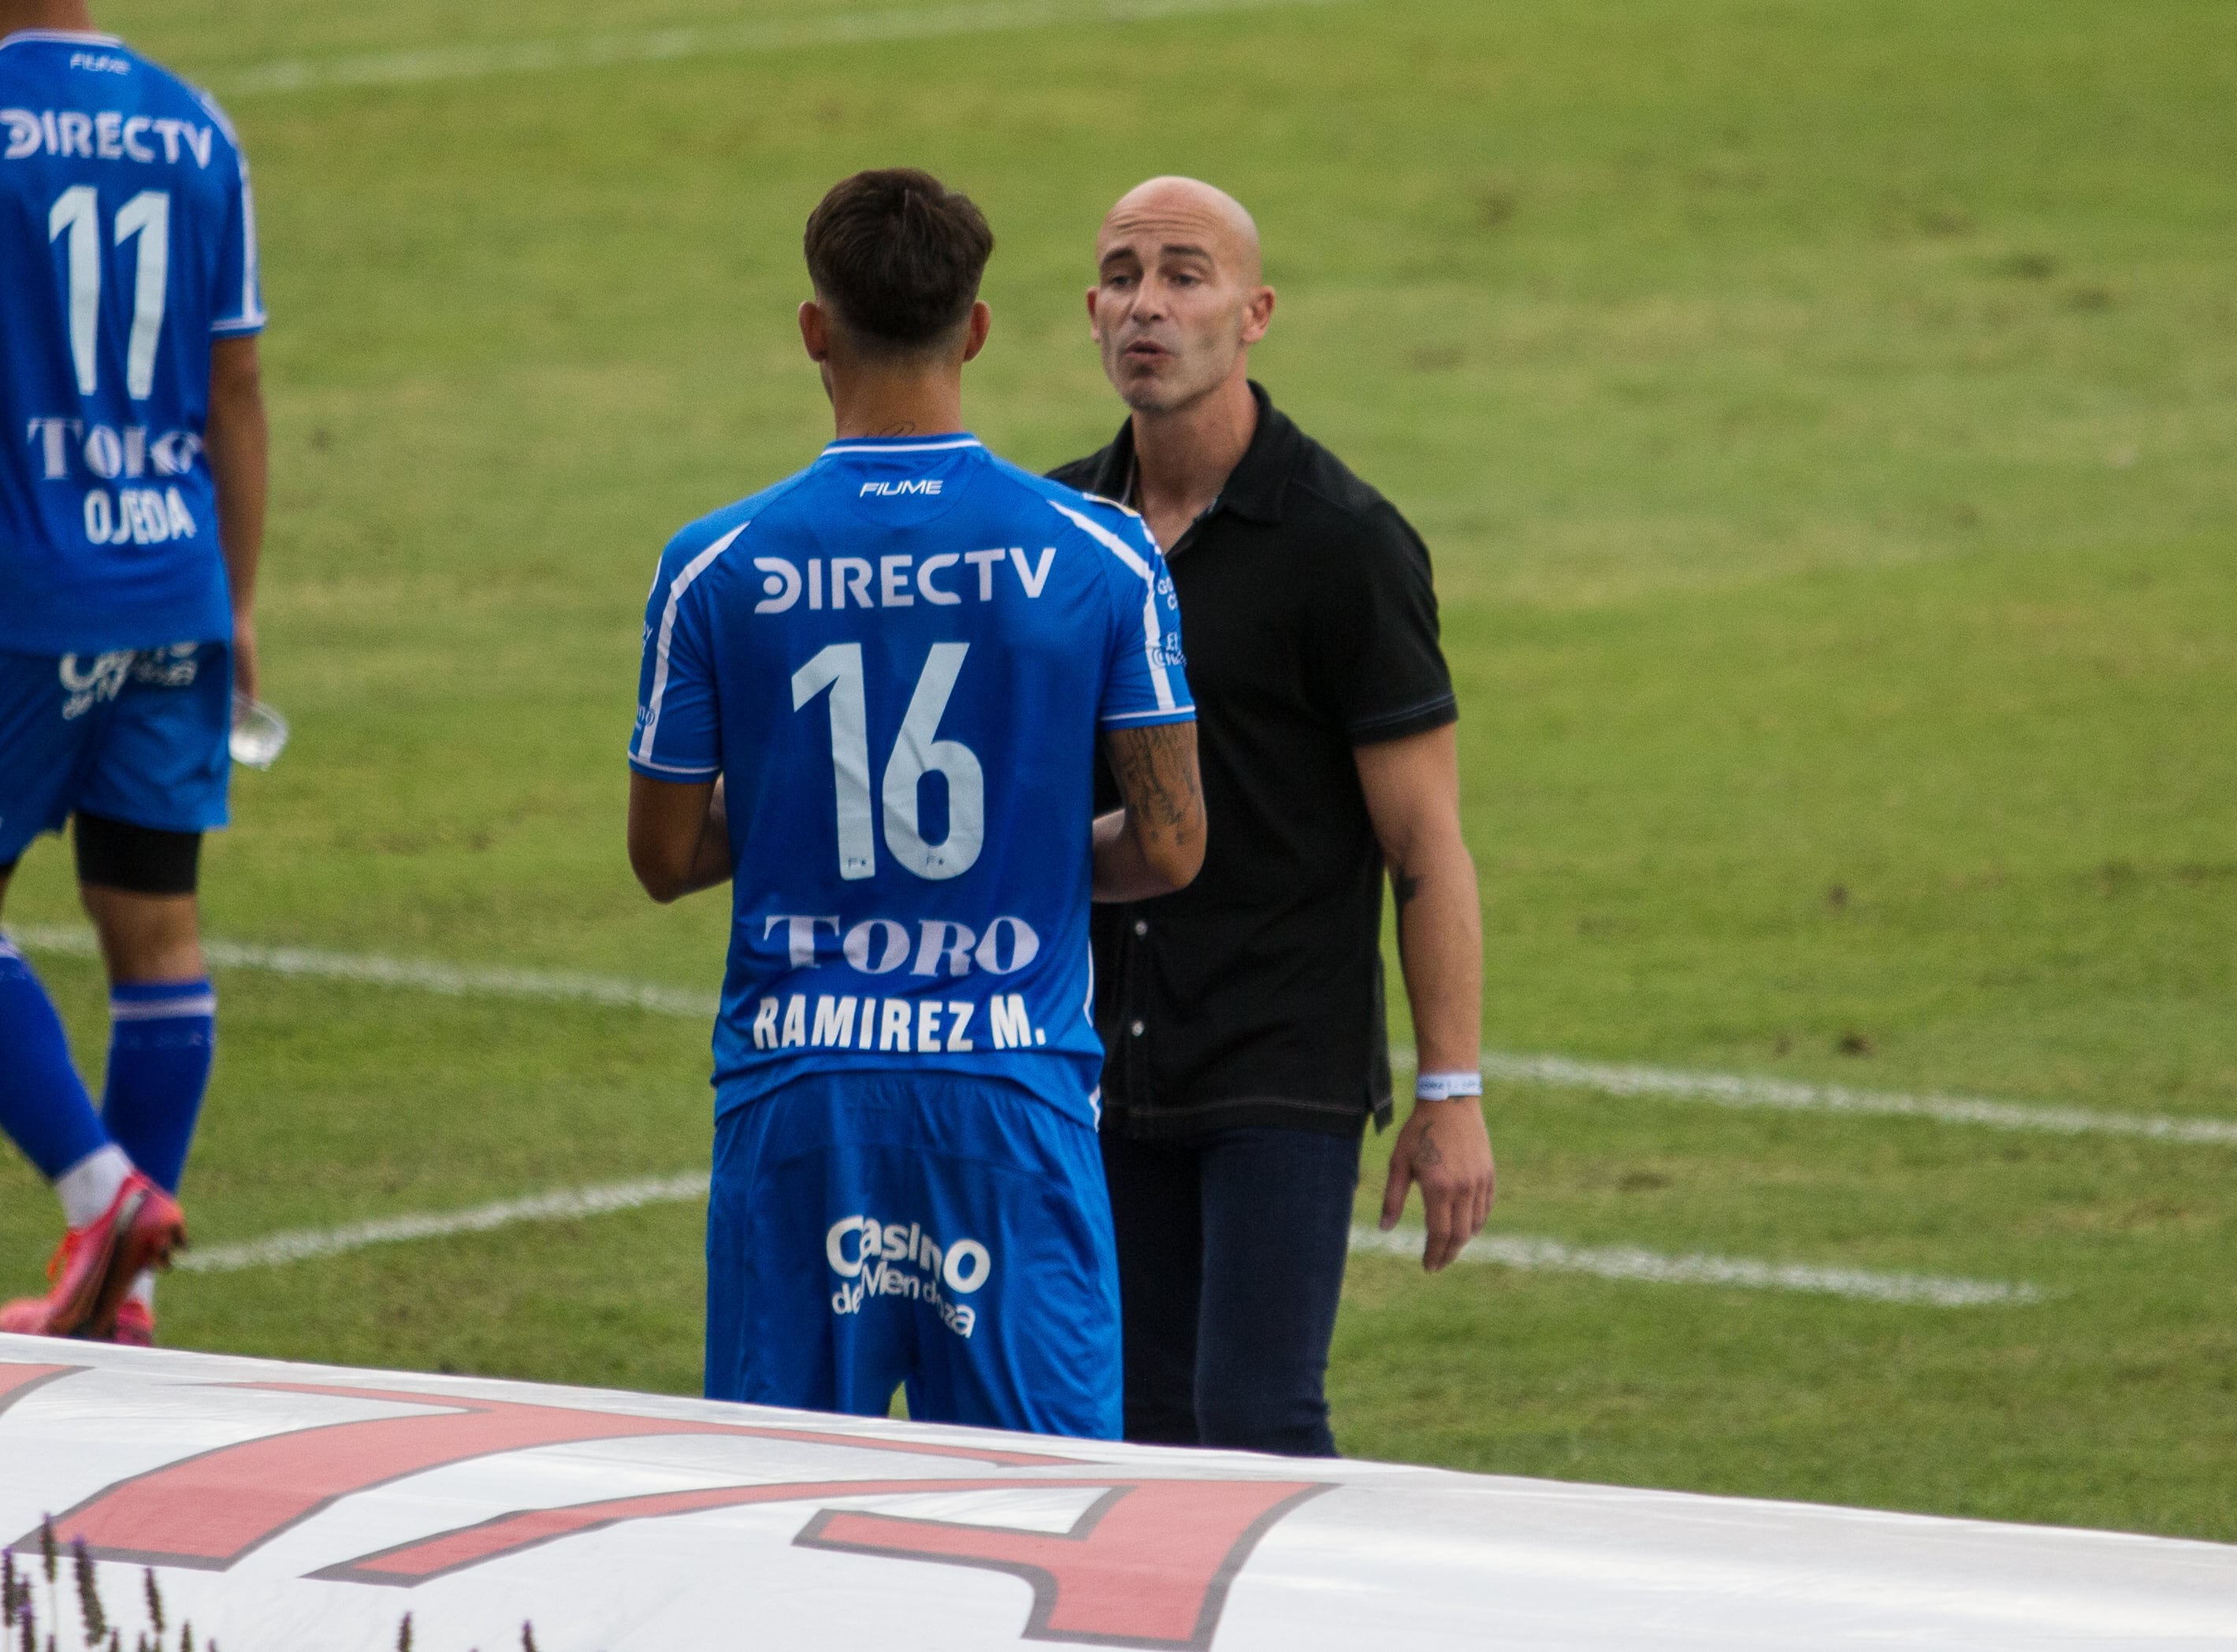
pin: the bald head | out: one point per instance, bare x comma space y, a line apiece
1178, 297
1185, 212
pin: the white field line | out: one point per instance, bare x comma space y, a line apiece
1555, 1072
1616, 1262
1729, 1089
412, 68
453, 981
308, 1244
1651, 1267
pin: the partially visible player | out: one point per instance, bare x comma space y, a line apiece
132, 487
871, 699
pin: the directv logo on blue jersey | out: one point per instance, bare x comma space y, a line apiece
899, 660
129, 239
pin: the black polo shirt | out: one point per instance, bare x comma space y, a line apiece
1254, 995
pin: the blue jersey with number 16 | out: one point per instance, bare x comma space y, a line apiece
128, 242
900, 660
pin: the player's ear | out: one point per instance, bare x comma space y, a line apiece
975, 335
815, 331
1257, 314
1094, 323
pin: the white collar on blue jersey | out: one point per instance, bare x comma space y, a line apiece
62, 36
904, 444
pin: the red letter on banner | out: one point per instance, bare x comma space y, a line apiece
16, 1381
1149, 1565
210, 1510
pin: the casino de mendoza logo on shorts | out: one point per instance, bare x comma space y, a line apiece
886, 1259
87, 681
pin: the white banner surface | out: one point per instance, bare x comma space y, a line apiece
288, 1507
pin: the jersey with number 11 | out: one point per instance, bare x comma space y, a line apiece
900, 661
128, 242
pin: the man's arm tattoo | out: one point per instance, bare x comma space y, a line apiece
1404, 885
1154, 774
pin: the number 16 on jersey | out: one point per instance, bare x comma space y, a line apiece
916, 752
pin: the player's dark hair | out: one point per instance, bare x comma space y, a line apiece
899, 255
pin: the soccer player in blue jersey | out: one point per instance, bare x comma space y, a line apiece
132, 486
870, 700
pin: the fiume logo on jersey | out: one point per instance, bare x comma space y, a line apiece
875, 1259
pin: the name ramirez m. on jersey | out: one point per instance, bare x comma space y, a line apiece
899, 660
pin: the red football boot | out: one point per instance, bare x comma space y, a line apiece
93, 1269
136, 1323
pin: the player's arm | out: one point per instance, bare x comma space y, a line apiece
238, 441
1155, 844
679, 836
1412, 786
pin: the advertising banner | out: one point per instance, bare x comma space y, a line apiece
280, 1508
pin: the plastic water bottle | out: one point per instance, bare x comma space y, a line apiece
259, 733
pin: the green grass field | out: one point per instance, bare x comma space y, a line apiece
1821, 415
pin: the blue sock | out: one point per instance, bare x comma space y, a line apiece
44, 1106
159, 1063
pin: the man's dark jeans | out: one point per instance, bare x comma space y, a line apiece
1230, 1259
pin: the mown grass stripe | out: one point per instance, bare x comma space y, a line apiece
423, 65
1506, 1250
1553, 1072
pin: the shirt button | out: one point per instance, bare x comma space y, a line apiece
1141, 926
1135, 1029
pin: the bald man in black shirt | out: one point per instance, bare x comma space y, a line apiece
1244, 1015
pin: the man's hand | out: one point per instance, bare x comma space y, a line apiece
1444, 1149
1413, 792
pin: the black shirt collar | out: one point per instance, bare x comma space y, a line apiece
1254, 488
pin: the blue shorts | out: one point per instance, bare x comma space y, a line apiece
136, 736
871, 1229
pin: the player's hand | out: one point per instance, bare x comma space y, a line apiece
244, 656
1445, 1148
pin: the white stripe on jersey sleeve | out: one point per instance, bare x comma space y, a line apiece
251, 318
1152, 632
252, 314
681, 583
690, 770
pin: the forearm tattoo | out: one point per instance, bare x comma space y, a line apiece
1155, 774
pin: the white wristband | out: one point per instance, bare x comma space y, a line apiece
1447, 1086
